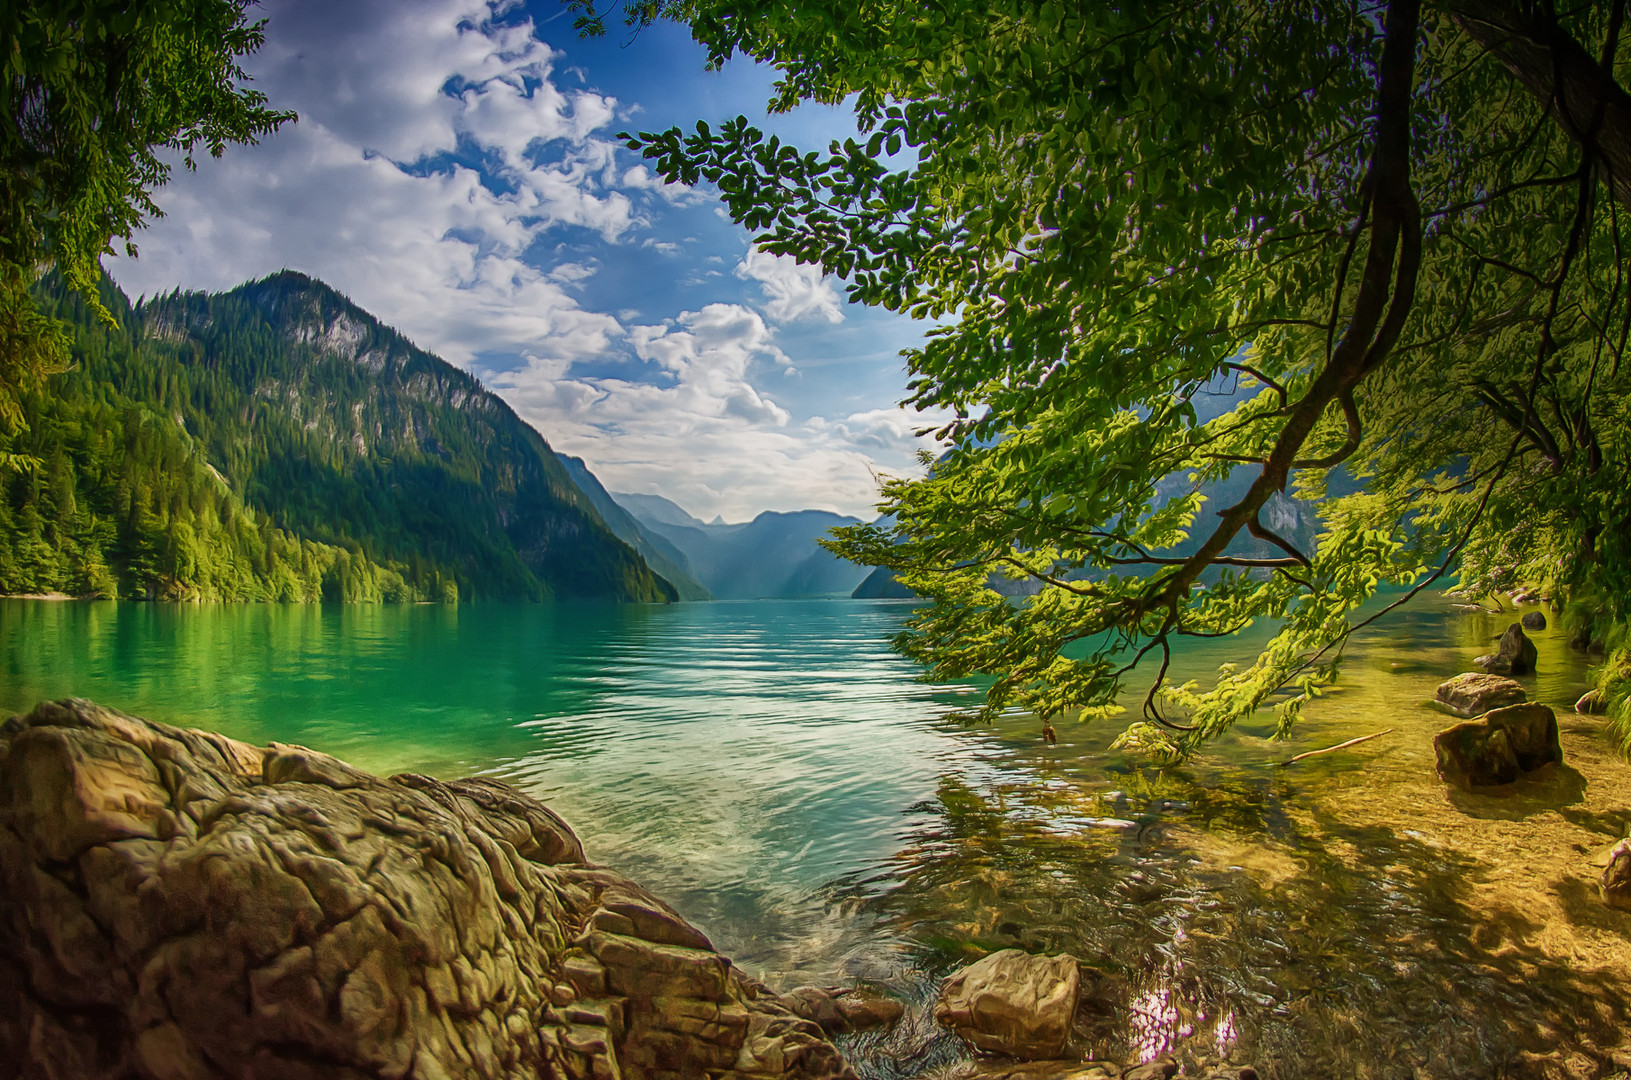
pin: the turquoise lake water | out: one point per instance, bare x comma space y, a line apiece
776, 772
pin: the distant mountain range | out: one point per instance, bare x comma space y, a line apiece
774, 555
278, 442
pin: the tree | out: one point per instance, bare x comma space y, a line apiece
1389, 233
93, 93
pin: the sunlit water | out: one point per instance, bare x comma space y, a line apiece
774, 770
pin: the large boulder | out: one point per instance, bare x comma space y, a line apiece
1533, 620
1474, 693
1013, 1003
1515, 655
175, 905
1498, 747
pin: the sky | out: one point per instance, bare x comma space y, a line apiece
455, 171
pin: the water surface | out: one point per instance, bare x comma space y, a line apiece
772, 769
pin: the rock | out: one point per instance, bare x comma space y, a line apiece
1474, 693
1154, 1070
840, 1010
1012, 1003
1042, 1070
1498, 747
1591, 703
1515, 655
1616, 880
1533, 620
176, 904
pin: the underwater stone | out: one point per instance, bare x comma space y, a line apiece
1474, 693
842, 1010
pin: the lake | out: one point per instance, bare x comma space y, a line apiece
775, 772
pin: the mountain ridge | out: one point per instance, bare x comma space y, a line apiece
365, 467
773, 555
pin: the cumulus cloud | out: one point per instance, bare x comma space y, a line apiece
698, 430
436, 157
367, 190
793, 291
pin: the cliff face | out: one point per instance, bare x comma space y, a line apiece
175, 904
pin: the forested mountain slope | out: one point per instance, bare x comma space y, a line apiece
660, 554
277, 442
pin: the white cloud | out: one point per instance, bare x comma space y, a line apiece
794, 291
702, 434
379, 189
359, 192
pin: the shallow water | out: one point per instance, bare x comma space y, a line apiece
772, 769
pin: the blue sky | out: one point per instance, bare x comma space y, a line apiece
455, 171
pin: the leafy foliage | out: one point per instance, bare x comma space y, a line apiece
1391, 229
277, 443
92, 92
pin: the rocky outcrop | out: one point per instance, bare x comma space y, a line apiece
1515, 655
1474, 693
175, 905
1013, 1003
1615, 884
1498, 747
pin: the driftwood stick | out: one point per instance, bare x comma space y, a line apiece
1338, 746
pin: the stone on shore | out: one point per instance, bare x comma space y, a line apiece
1516, 654
178, 905
1474, 693
1498, 747
1013, 1003
1616, 880
1591, 703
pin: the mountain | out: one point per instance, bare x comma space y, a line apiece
881, 584
278, 442
660, 554
775, 554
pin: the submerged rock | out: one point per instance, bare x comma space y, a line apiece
1615, 883
1474, 693
1498, 747
1013, 1003
175, 904
1516, 654
842, 1010
1092, 1070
